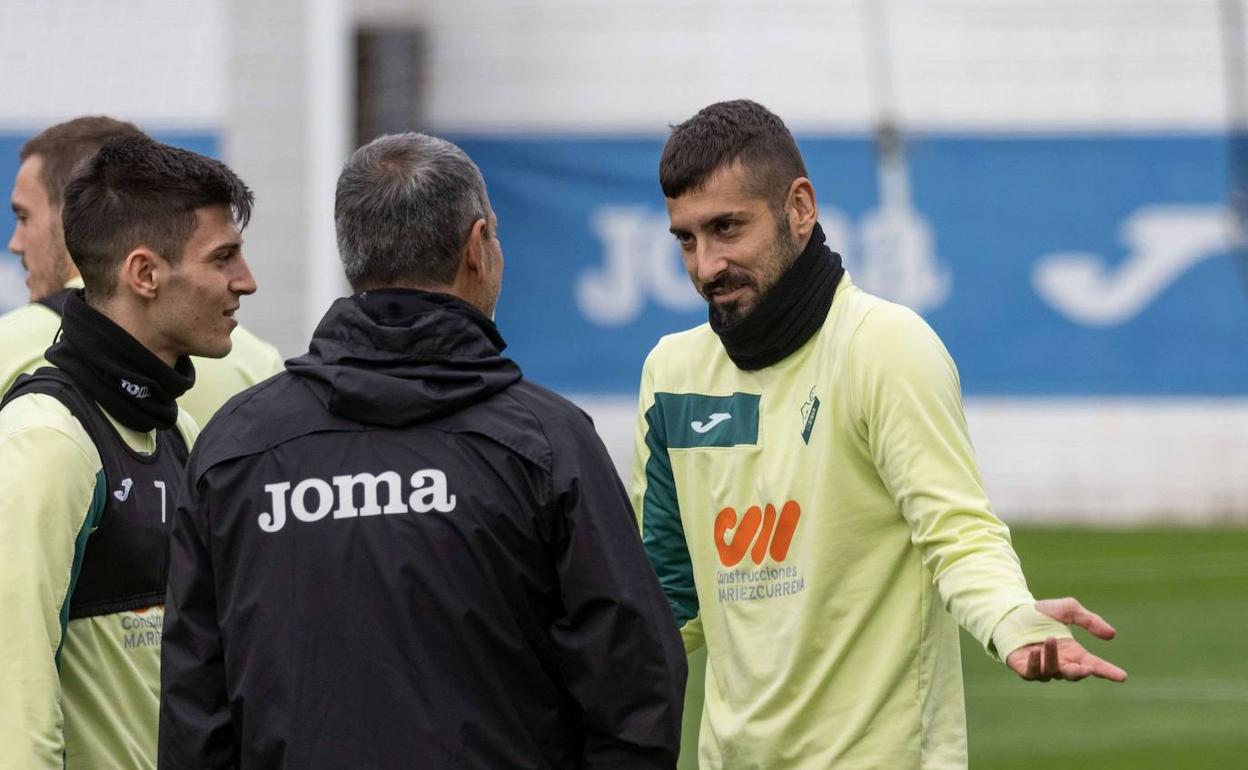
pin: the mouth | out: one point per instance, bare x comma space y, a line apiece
728, 287
725, 296
229, 316
726, 291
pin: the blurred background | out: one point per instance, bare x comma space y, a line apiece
1058, 186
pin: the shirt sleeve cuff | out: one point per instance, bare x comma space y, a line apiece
1021, 626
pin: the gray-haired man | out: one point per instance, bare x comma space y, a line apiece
401, 553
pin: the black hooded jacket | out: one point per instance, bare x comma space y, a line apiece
400, 554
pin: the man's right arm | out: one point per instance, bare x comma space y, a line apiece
53, 494
195, 726
654, 502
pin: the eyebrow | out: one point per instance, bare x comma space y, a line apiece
711, 220
228, 247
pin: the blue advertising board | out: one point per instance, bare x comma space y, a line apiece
1062, 265
1050, 265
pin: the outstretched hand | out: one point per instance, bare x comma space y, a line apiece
1065, 658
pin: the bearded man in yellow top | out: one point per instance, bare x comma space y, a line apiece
807, 490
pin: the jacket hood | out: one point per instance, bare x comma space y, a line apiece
399, 356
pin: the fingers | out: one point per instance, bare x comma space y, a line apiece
1103, 669
1051, 667
1047, 661
1092, 622
1063, 659
1073, 662
1033, 664
1070, 611
1042, 662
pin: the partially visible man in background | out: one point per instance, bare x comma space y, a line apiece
48, 161
92, 452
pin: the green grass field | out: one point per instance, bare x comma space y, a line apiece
1179, 601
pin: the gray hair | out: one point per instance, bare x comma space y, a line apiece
404, 207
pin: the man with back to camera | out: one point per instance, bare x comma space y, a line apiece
401, 553
92, 450
807, 490
25, 333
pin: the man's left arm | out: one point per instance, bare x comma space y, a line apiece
910, 400
617, 644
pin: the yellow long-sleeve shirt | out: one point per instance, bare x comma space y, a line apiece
821, 524
84, 692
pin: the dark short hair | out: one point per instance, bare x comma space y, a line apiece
404, 207
726, 132
138, 192
63, 146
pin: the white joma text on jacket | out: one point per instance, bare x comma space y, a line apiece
313, 499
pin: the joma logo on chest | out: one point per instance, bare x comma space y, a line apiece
312, 499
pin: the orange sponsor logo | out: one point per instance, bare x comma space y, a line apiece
759, 532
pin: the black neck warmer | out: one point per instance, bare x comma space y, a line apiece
114, 369
789, 314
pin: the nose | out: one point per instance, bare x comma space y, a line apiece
15, 242
707, 262
243, 282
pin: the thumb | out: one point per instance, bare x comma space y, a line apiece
1071, 612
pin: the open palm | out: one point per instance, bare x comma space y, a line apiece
1065, 658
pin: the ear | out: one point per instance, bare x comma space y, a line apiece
475, 255
142, 272
802, 209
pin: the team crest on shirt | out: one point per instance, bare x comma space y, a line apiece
810, 410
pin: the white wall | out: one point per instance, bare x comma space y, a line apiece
159, 63
1021, 65
287, 136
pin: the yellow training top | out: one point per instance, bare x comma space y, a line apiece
821, 524
80, 693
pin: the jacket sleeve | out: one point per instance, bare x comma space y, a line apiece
910, 402
617, 644
654, 501
53, 495
195, 727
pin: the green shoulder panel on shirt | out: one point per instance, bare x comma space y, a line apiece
685, 421
662, 533
693, 420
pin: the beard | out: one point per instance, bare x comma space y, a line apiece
779, 258
51, 277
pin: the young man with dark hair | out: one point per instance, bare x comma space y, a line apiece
807, 490
400, 553
48, 161
92, 450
